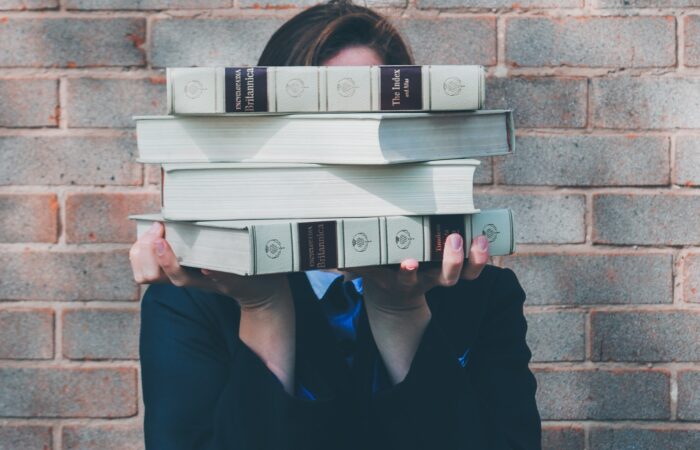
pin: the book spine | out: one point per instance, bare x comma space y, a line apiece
319, 89
298, 246
272, 248
362, 243
318, 245
372, 241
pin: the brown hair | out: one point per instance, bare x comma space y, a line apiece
317, 34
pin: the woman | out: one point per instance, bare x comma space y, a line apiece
398, 358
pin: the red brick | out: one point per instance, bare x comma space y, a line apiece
288, 4
83, 160
29, 103
692, 41
540, 102
556, 335
72, 42
588, 160
652, 103
103, 333
691, 278
28, 218
147, 4
451, 40
645, 336
687, 161
689, 395
62, 392
591, 41
103, 217
492, 4
26, 333
28, 4
603, 394
66, 275
562, 438
184, 42
117, 101
20, 437
646, 219
644, 439
103, 437
152, 174
647, 3
584, 279
541, 218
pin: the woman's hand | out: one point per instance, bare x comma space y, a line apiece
395, 299
267, 322
153, 261
404, 289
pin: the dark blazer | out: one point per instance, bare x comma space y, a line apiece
469, 386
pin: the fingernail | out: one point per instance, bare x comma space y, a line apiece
411, 266
154, 227
482, 242
456, 242
160, 247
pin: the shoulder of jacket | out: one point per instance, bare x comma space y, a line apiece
496, 286
491, 278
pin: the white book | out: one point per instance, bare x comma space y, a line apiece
213, 90
274, 246
371, 138
232, 191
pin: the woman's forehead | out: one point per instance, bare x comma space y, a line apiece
357, 55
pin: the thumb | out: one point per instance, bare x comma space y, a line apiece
170, 265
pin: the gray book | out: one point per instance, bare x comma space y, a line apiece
234, 191
212, 90
369, 138
251, 247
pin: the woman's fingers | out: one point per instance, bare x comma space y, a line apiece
452, 260
144, 263
167, 260
407, 275
478, 257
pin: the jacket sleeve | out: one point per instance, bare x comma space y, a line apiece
205, 389
461, 395
255, 412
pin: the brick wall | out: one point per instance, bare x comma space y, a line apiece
604, 185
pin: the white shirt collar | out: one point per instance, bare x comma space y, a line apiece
321, 280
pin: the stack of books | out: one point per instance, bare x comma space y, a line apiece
283, 169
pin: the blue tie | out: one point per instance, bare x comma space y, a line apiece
342, 304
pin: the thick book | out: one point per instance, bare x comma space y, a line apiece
274, 246
373, 138
214, 90
233, 191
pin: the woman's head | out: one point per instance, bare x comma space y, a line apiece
336, 33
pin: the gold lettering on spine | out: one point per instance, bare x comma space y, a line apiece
250, 89
312, 253
321, 234
237, 89
396, 88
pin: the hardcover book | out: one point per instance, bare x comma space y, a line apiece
232, 191
374, 138
272, 246
213, 90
